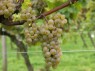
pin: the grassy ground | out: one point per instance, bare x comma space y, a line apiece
83, 61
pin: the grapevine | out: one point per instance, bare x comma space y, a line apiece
48, 34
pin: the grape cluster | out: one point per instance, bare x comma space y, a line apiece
7, 7
28, 15
48, 34
52, 53
31, 29
32, 34
51, 31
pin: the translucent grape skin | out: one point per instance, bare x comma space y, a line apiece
47, 54
53, 51
1, 12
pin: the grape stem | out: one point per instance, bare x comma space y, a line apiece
11, 23
69, 2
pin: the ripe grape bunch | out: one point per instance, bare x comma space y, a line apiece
7, 7
48, 34
30, 28
52, 31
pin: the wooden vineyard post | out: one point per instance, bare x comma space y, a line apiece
4, 53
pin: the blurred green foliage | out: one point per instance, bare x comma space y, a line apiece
79, 61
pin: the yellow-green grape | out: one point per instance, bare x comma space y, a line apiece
62, 17
65, 20
56, 47
35, 40
29, 20
47, 54
33, 17
51, 47
23, 16
1, 4
6, 11
53, 60
5, 2
50, 21
1, 12
52, 43
44, 37
29, 9
6, 15
3, 7
23, 11
31, 32
28, 15
26, 31
59, 31
48, 59
57, 55
57, 21
43, 31
49, 64
57, 60
11, 9
29, 40
45, 49
44, 44
50, 36
35, 36
37, 31
7, 7
55, 17
53, 51
46, 26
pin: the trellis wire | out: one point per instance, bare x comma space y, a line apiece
68, 51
